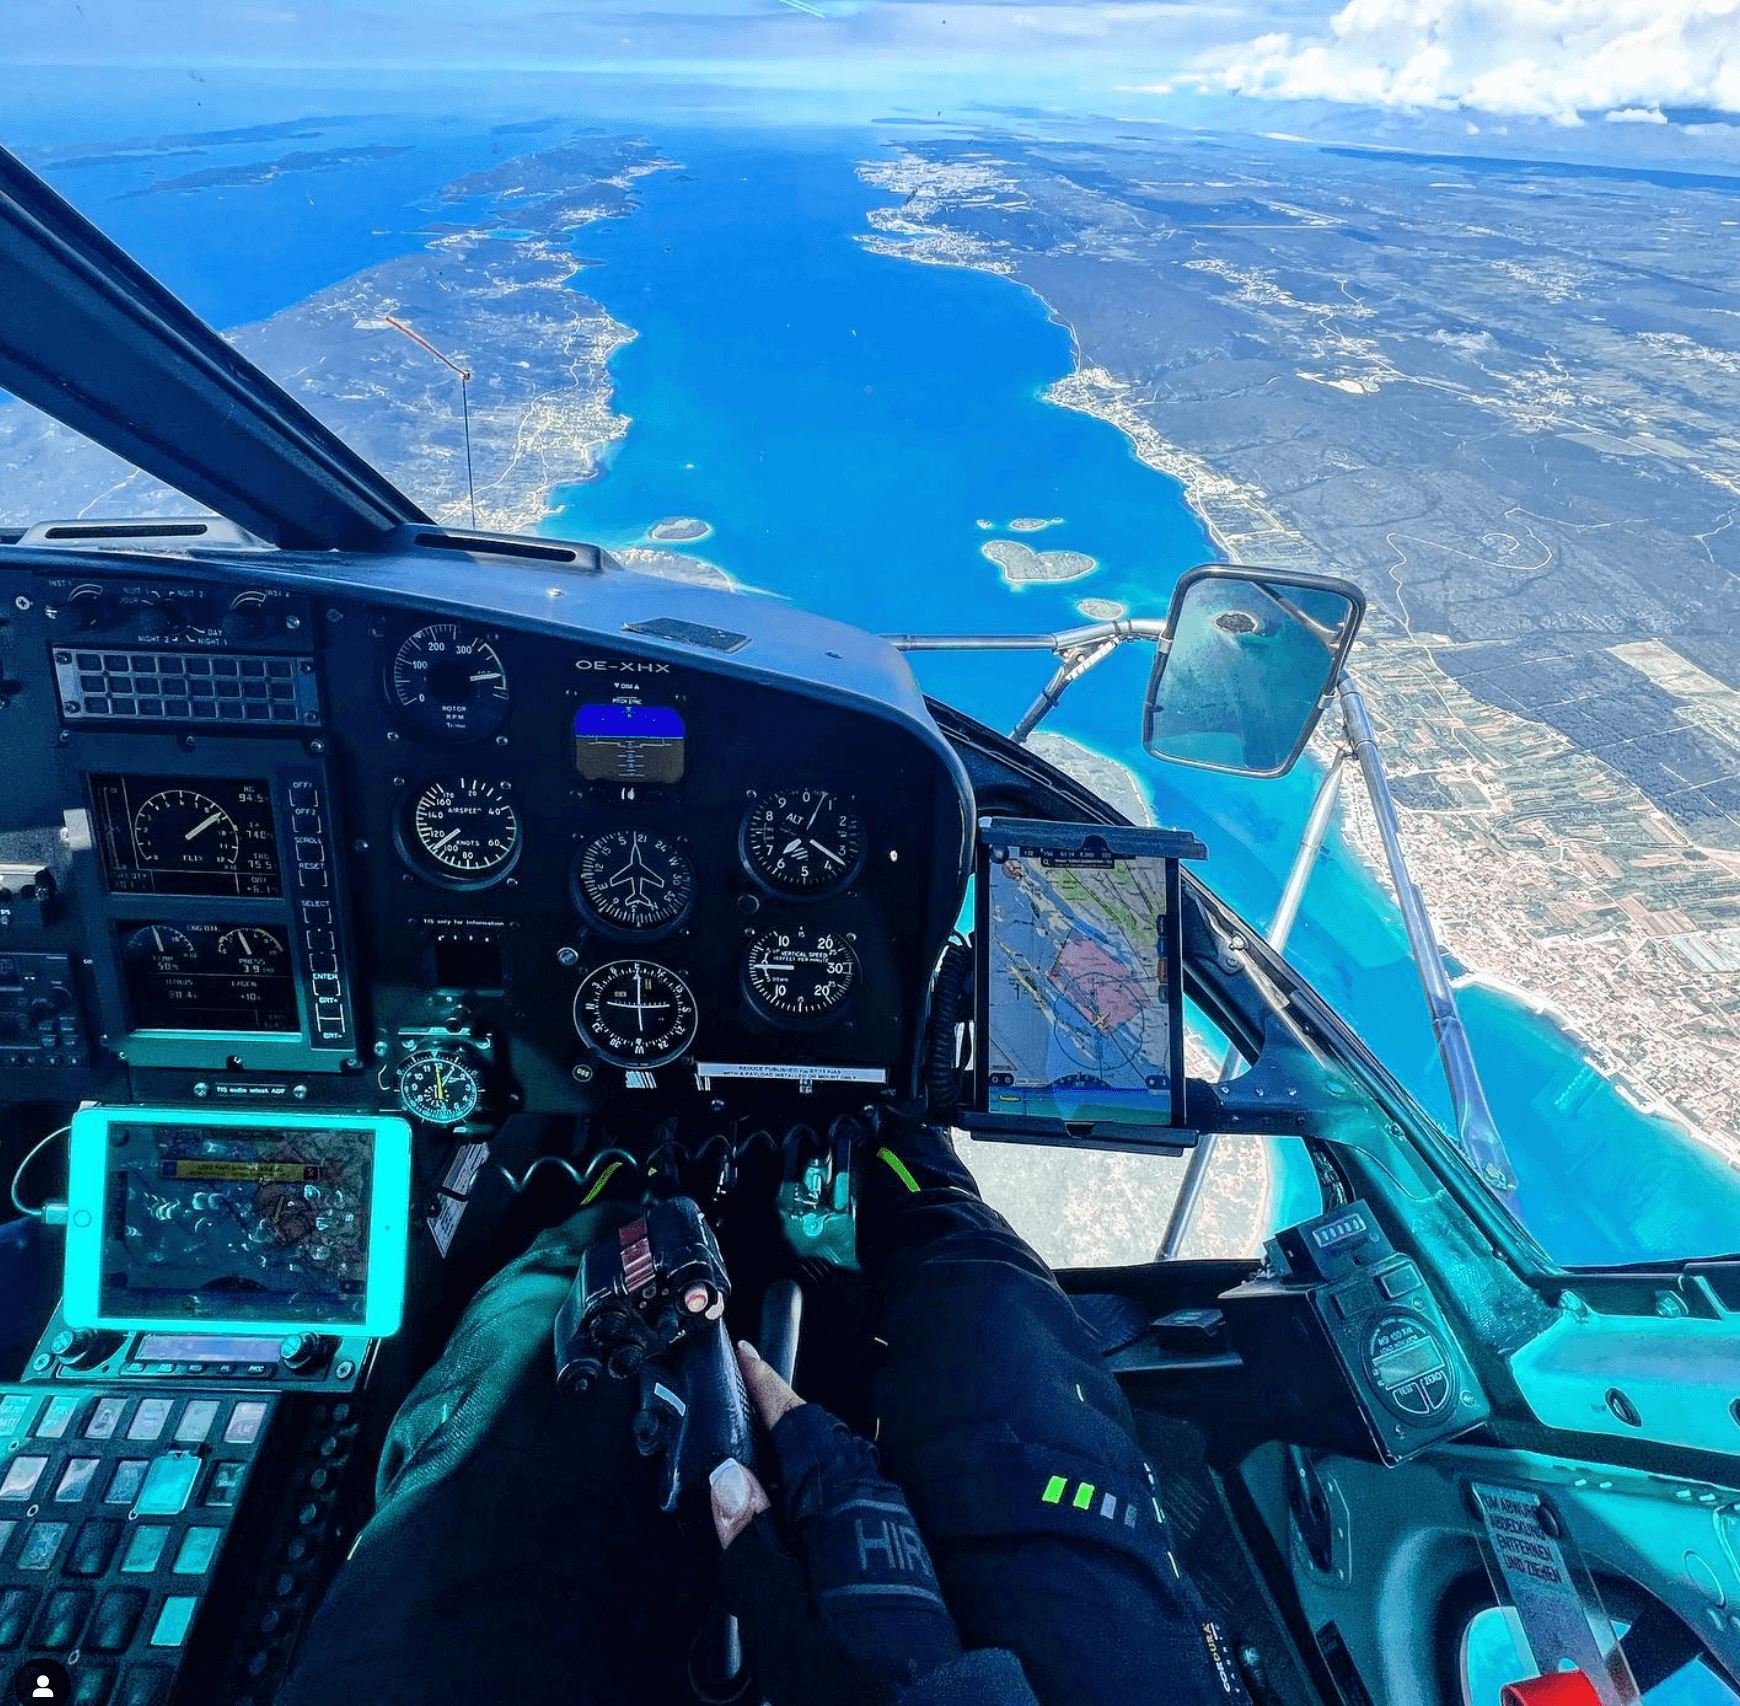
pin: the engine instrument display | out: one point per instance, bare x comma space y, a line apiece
633, 880
461, 830
629, 744
802, 841
208, 835
797, 975
635, 1013
209, 977
447, 683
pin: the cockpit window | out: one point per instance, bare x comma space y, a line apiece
1493, 1657
763, 306
48, 472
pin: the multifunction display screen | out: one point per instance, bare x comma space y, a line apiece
236, 1224
209, 977
202, 835
1083, 997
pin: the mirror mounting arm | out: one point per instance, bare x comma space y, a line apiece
1475, 1127
1077, 649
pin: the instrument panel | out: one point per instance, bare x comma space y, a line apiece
494, 860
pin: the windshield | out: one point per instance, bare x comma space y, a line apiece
992, 318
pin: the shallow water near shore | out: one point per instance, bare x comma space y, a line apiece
844, 420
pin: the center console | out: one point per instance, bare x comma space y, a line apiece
121, 1499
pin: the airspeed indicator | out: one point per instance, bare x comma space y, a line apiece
461, 830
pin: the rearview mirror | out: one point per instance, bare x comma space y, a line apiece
1249, 661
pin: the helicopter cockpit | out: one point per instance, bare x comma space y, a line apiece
372, 892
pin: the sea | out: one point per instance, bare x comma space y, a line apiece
845, 422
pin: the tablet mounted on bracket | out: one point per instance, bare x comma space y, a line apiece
1079, 978
218, 1222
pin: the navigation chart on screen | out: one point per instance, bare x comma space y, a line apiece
237, 1224
1080, 1021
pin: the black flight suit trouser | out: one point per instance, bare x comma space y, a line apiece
517, 1554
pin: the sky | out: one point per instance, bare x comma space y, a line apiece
1565, 62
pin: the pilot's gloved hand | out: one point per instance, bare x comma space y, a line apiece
838, 1600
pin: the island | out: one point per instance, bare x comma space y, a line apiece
1359, 364
1101, 609
1034, 523
1021, 563
679, 529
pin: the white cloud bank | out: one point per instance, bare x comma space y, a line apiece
1552, 59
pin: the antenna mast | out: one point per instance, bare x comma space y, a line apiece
464, 400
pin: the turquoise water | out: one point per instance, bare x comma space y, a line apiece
845, 420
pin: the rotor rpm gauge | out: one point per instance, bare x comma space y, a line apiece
795, 975
805, 842
461, 830
635, 1013
632, 880
447, 683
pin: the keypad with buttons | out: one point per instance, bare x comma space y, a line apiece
169, 687
114, 1510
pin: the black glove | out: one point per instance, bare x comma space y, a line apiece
848, 1613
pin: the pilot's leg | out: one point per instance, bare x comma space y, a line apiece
516, 1552
1016, 1448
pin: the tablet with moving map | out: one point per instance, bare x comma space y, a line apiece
1080, 991
217, 1221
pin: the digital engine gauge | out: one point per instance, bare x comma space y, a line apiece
447, 683
635, 1013
798, 976
439, 1087
805, 842
461, 831
633, 881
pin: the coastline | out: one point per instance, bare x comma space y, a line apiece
1467, 856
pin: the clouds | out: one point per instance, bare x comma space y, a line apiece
1553, 59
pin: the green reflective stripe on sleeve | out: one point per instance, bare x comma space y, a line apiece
603, 1180
1079, 1393
1084, 1495
1054, 1489
899, 1167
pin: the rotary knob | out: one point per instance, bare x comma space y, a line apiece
302, 1352
83, 1347
245, 620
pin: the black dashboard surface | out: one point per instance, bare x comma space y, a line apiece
275, 825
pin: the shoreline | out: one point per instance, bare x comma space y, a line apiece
1238, 525
1597, 1059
